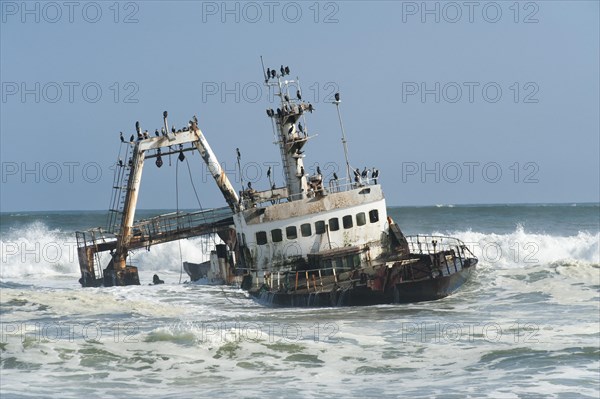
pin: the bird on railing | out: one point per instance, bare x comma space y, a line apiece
121, 137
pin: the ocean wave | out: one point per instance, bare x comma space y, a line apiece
35, 250
521, 249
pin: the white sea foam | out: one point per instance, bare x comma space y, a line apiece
37, 251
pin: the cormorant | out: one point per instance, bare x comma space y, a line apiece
146, 135
291, 130
364, 172
273, 187
310, 108
287, 70
131, 138
282, 71
318, 170
239, 155
269, 172
301, 171
298, 94
273, 73
335, 176
121, 137
137, 126
286, 97
156, 133
163, 131
120, 162
337, 97
173, 129
249, 185
268, 73
278, 112
301, 128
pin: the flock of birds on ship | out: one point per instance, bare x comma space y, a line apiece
287, 109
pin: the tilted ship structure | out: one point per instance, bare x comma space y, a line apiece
315, 241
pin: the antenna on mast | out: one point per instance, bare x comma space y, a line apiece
337, 104
263, 68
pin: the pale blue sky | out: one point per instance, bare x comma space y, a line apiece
541, 133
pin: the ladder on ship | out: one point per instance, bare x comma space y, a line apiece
119, 192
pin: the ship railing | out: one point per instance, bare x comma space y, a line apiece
179, 221
334, 186
313, 280
438, 247
93, 236
430, 244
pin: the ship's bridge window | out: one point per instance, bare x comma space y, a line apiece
276, 235
334, 224
361, 219
261, 237
291, 233
374, 216
347, 220
320, 227
306, 230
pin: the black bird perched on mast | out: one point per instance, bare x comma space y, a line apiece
278, 112
239, 155
310, 108
318, 170
173, 129
335, 176
337, 97
120, 162
287, 70
301, 128
121, 137
156, 133
137, 127
269, 172
302, 171
298, 94
163, 131
273, 73
282, 71
268, 73
286, 97
131, 138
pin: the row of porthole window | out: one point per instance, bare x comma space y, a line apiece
291, 232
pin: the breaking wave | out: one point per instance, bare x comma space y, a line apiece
35, 250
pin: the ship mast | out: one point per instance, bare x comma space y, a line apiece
290, 135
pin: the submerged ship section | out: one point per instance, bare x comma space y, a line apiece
315, 241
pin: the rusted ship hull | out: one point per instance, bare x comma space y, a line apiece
429, 289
